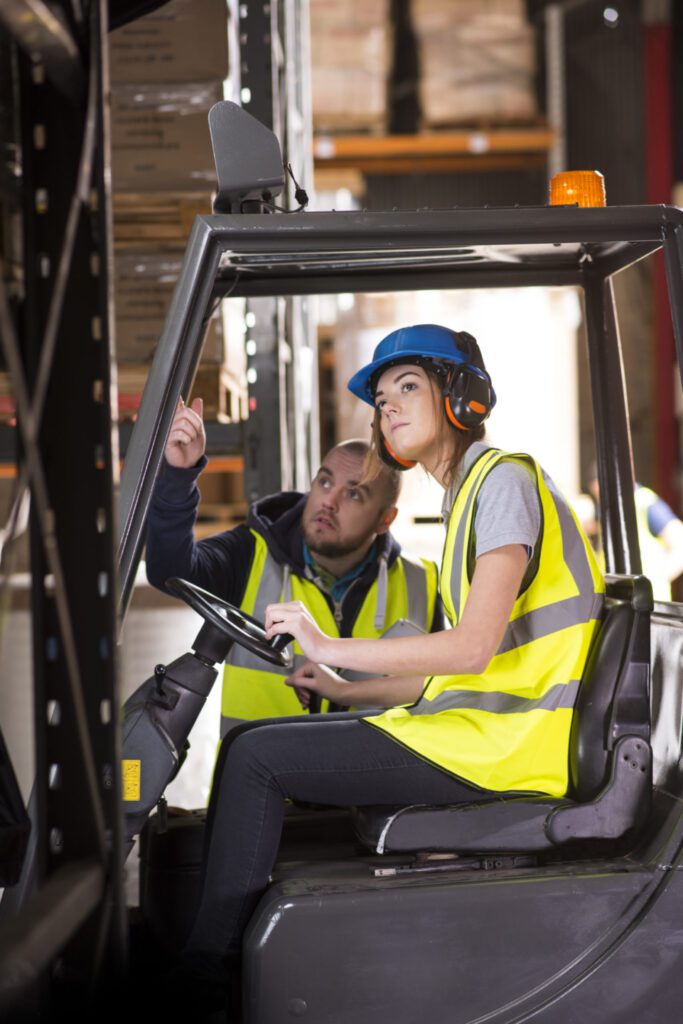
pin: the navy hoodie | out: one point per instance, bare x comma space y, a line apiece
221, 563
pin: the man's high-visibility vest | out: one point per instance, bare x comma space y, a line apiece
252, 688
508, 728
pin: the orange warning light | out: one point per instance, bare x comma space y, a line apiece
583, 188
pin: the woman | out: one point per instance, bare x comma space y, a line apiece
485, 706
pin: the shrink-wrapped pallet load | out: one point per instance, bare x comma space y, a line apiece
477, 61
350, 64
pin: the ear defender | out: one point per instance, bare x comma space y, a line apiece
468, 394
394, 461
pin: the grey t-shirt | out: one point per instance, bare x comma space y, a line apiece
508, 509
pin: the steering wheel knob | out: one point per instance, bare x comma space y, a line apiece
281, 641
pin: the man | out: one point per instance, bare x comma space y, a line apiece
330, 549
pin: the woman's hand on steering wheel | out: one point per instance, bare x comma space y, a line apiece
294, 618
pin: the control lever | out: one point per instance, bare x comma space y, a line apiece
279, 642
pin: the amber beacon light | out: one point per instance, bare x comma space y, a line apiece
583, 188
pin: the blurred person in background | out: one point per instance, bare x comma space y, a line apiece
660, 533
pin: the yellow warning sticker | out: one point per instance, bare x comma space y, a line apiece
131, 779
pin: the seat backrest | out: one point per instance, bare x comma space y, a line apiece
614, 695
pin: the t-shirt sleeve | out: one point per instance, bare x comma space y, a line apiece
508, 509
659, 515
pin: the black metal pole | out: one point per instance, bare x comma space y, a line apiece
66, 429
610, 414
170, 376
673, 262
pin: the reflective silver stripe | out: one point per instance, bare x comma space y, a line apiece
274, 579
241, 658
270, 587
416, 586
573, 549
497, 702
286, 594
381, 593
572, 611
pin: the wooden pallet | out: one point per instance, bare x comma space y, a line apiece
224, 398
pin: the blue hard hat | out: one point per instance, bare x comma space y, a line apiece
423, 341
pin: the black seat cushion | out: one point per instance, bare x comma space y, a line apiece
510, 824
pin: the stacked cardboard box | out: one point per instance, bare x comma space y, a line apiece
477, 61
167, 71
350, 62
160, 136
143, 287
182, 41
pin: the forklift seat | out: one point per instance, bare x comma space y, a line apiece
610, 760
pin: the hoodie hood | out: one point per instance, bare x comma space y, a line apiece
277, 517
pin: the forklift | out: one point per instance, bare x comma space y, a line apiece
513, 909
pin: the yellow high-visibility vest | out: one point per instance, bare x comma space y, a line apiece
508, 728
252, 688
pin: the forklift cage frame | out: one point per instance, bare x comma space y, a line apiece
254, 255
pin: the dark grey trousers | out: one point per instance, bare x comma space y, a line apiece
332, 759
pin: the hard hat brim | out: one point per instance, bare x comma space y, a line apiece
361, 383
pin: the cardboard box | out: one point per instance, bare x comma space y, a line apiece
143, 288
335, 15
160, 137
224, 394
156, 220
348, 100
351, 46
477, 61
183, 41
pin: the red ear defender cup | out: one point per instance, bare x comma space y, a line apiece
388, 455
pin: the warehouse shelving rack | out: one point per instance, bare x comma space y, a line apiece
63, 933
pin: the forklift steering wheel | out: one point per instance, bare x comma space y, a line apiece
233, 622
